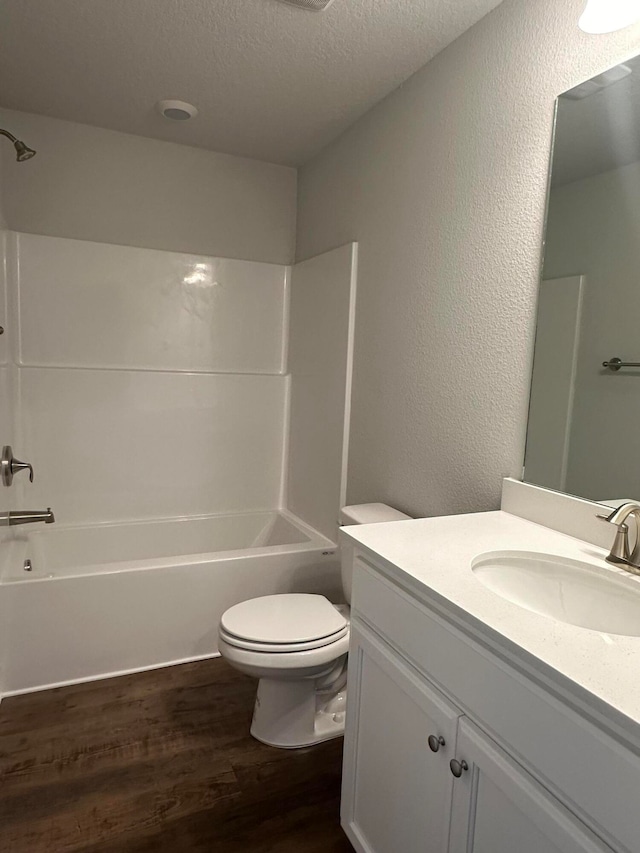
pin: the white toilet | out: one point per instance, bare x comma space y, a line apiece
297, 645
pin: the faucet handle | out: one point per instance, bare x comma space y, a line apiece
10, 466
16, 466
609, 517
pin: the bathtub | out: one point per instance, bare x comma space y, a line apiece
110, 599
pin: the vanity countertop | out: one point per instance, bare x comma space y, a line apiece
432, 558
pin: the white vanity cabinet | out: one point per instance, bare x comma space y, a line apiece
500, 808
397, 789
508, 768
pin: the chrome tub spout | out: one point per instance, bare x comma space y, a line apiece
26, 516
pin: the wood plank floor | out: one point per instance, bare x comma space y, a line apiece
160, 761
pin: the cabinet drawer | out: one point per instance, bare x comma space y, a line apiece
595, 776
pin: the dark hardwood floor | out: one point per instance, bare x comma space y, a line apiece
160, 761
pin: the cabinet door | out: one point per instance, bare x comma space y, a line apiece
500, 808
396, 794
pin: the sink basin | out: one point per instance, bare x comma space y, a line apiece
563, 589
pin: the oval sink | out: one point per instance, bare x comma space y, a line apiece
567, 590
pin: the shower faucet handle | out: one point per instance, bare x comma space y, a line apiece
10, 466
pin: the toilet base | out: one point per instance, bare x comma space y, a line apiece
294, 714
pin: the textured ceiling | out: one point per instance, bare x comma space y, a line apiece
271, 81
600, 132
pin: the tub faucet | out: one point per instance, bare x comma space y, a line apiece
26, 516
621, 552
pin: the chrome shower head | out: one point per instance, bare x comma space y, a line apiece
23, 152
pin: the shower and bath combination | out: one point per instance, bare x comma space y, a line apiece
23, 152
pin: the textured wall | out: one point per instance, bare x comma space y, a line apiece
443, 184
94, 184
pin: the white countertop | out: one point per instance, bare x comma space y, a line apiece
433, 556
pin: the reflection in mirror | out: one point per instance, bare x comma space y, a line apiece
583, 434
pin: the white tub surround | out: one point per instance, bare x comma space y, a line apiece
551, 727
72, 551
150, 390
191, 371
109, 599
112, 445
144, 309
321, 330
6, 425
149, 384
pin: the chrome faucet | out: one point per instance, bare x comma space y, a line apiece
621, 552
26, 516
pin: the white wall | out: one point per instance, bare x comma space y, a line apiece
150, 384
93, 184
6, 408
593, 230
6, 396
6, 435
443, 185
323, 291
3, 223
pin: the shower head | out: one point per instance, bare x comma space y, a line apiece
23, 152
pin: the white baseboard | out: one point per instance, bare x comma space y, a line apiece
105, 675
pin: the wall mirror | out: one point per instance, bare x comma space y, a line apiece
583, 434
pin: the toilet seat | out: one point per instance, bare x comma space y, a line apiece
285, 624
292, 664
281, 648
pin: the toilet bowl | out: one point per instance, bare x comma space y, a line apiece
297, 645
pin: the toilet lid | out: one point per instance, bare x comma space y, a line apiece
290, 619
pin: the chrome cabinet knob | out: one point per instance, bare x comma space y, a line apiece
435, 742
458, 767
10, 466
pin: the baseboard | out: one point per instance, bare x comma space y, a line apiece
106, 675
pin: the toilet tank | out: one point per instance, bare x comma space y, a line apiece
362, 514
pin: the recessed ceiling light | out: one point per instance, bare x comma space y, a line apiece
607, 16
176, 110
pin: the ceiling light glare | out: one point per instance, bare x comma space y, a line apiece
309, 5
607, 16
